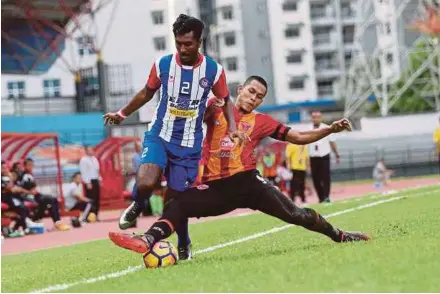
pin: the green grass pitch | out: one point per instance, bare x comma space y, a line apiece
403, 256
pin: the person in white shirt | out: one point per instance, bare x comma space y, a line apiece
74, 198
319, 153
89, 168
381, 174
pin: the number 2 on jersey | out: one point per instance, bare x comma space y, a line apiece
185, 88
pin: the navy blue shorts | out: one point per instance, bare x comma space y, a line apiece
181, 164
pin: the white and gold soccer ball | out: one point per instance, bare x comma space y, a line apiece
162, 254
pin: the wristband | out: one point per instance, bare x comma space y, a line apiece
121, 114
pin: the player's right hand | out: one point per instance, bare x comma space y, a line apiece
341, 125
112, 118
242, 137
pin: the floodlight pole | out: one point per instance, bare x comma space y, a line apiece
79, 87
102, 81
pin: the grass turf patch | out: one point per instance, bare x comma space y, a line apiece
404, 234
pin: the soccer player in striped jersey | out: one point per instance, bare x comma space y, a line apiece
231, 180
173, 144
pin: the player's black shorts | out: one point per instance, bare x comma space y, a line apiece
243, 190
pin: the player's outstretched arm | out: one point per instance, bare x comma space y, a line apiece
142, 97
307, 137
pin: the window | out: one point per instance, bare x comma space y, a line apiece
347, 58
157, 17
263, 34
230, 39
325, 88
294, 57
233, 88
16, 90
388, 28
231, 63
261, 7
389, 57
291, 32
265, 59
51, 88
85, 45
348, 34
227, 13
290, 5
296, 84
159, 43
91, 86
326, 61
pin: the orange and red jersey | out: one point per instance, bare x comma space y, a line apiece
222, 157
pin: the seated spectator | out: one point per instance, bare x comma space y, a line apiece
17, 170
45, 202
11, 195
381, 174
74, 199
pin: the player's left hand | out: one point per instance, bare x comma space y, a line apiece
340, 125
219, 102
242, 137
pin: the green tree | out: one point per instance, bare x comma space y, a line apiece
413, 99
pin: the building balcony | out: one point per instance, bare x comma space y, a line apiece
324, 64
327, 73
326, 91
324, 43
322, 17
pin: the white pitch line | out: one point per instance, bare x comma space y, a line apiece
132, 269
357, 198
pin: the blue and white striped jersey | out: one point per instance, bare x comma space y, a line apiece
184, 92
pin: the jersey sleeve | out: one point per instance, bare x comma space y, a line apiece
220, 88
272, 128
211, 113
153, 82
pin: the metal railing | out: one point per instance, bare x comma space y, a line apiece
325, 91
324, 64
411, 162
38, 106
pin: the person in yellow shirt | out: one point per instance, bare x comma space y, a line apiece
437, 143
297, 157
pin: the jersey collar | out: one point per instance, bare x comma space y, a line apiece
198, 62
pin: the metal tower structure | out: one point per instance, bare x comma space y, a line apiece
397, 49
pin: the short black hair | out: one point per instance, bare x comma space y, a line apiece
256, 78
15, 164
185, 24
75, 174
28, 160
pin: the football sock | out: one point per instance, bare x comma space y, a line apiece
183, 234
141, 201
158, 231
321, 225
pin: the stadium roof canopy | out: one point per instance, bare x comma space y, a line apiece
33, 33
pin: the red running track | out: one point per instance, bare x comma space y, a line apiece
109, 220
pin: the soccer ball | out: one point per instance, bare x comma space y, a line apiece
162, 254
